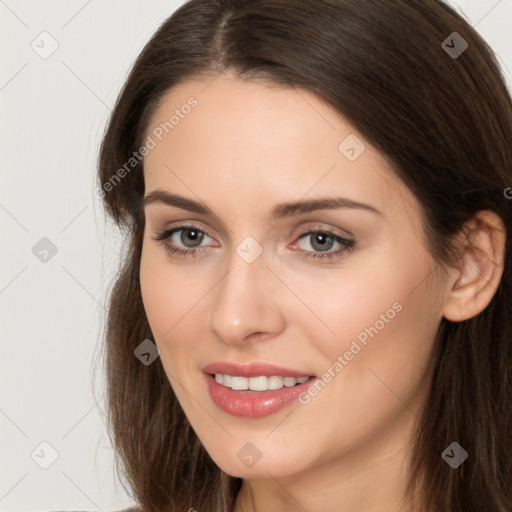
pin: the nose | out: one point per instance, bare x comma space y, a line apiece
245, 304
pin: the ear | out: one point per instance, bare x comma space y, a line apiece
480, 267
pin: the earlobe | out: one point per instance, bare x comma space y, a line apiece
477, 278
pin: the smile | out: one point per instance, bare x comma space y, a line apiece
253, 390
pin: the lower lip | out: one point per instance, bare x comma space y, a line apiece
253, 404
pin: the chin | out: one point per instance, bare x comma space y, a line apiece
260, 470
248, 461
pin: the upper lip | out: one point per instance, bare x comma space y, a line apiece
253, 370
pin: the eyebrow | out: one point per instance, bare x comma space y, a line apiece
280, 210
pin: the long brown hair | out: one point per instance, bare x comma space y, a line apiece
444, 121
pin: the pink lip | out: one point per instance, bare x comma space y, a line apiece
253, 404
252, 370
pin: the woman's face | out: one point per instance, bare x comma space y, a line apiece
344, 295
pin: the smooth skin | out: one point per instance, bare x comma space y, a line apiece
245, 147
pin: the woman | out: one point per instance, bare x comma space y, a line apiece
314, 308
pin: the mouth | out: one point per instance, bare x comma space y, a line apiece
254, 390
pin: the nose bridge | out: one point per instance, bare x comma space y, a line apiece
243, 303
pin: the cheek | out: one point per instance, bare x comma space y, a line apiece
385, 325
172, 303
163, 293
350, 305
396, 277
374, 316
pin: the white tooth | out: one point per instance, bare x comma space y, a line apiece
289, 382
239, 383
275, 382
258, 383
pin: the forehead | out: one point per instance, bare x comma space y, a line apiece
238, 138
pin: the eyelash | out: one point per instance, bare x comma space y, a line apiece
349, 245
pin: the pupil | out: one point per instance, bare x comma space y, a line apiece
192, 235
321, 240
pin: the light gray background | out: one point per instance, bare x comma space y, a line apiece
53, 113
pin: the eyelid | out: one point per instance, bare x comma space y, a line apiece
321, 226
299, 232
179, 225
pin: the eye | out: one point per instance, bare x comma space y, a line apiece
323, 241
191, 238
